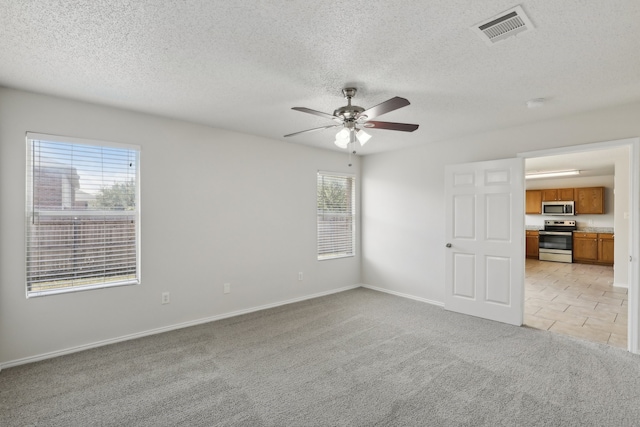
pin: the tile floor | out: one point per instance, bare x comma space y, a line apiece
577, 300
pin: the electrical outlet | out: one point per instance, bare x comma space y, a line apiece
300, 276
165, 298
227, 288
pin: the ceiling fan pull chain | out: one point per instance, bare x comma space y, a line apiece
351, 148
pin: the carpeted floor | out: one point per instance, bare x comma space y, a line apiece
358, 358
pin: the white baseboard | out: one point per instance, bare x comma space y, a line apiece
621, 285
155, 331
400, 294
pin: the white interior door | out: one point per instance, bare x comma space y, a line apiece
485, 239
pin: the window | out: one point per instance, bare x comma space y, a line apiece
83, 214
336, 215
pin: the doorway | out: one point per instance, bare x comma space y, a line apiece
587, 300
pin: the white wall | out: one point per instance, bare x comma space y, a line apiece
403, 193
216, 207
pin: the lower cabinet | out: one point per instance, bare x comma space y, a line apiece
605, 248
593, 248
533, 241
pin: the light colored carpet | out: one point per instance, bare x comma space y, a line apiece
358, 358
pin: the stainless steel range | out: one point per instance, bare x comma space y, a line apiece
556, 241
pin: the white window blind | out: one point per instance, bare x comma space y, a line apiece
336, 215
83, 216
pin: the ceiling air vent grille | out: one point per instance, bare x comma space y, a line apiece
503, 26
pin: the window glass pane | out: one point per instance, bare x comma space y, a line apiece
83, 218
336, 216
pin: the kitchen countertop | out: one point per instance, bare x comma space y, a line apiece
595, 230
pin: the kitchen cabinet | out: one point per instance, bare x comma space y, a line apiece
558, 194
589, 200
593, 248
585, 247
605, 248
532, 239
533, 202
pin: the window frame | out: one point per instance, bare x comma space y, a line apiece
31, 213
352, 215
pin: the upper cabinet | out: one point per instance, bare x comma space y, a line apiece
589, 200
534, 202
561, 194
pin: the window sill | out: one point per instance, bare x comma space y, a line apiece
35, 294
330, 257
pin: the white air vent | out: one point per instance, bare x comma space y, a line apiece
502, 26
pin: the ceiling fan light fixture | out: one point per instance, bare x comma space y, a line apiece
343, 134
342, 143
363, 137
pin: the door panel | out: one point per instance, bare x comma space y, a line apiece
485, 226
464, 224
498, 227
498, 274
464, 275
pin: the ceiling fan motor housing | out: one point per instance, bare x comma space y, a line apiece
348, 112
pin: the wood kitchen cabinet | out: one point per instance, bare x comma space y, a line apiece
532, 239
558, 194
593, 248
589, 200
533, 202
605, 248
585, 247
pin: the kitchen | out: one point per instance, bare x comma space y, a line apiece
576, 274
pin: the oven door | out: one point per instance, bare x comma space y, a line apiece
562, 240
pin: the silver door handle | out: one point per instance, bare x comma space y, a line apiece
448, 245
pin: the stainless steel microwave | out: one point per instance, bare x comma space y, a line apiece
558, 208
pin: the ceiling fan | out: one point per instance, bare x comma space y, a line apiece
352, 119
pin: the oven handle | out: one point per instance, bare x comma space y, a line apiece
556, 233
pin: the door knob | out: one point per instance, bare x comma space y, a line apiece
448, 245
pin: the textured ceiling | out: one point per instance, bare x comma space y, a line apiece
242, 65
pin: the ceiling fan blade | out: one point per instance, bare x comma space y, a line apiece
385, 107
405, 127
318, 113
313, 130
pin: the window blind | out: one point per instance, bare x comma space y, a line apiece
82, 215
336, 215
